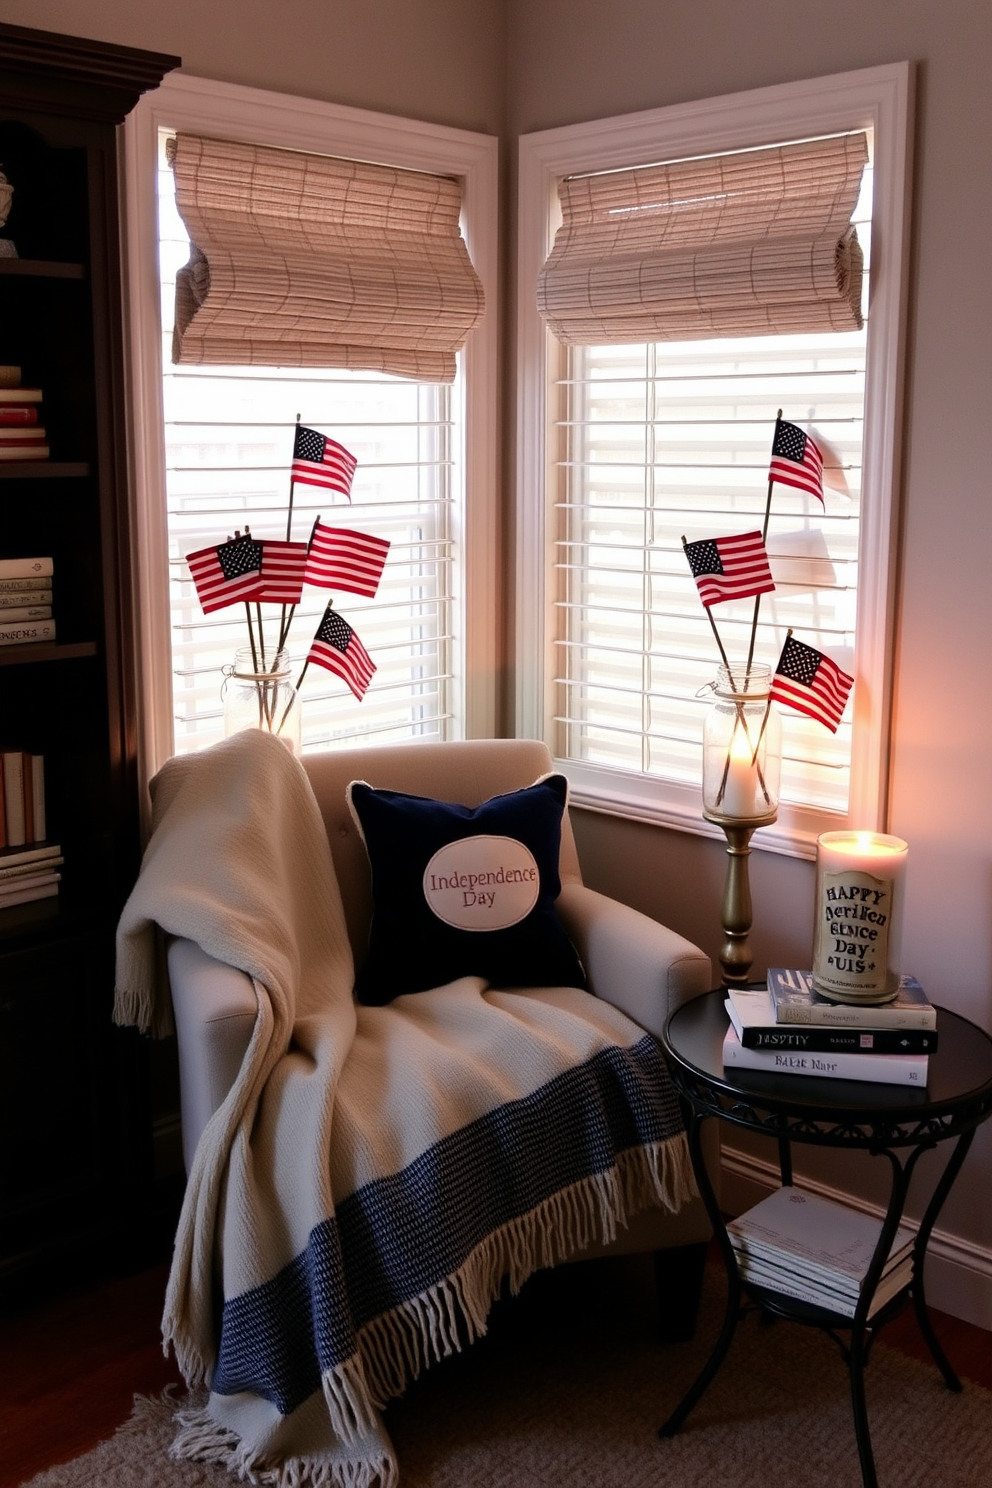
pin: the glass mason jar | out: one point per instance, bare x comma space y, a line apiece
261, 697
742, 747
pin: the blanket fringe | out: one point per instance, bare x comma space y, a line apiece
393, 1349
199, 1438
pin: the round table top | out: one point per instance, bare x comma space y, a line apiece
959, 1075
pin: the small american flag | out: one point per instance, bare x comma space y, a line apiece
796, 460
341, 559
730, 567
227, 573
283, 571
319, 461
811, 683
337, 647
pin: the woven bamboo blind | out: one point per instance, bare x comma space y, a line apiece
309, 261
756, 242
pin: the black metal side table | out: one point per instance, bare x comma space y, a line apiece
892, 1121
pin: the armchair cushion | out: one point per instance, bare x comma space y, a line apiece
464, 891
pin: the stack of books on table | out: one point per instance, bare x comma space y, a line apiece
28, 863
789, 1028
26, 601
817, 1251
22, 435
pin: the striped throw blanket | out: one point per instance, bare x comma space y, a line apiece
374, 1173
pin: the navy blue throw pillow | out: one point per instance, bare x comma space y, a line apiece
464, 891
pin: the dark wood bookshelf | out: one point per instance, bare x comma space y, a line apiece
75, 1122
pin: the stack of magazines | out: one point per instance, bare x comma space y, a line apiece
817, 1251
789, 1028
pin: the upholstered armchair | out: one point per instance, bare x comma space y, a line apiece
631, 961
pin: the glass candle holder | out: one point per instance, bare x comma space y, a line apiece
256, 696
857, 941
742, 748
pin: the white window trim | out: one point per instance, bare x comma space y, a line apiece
229, 111
879, 98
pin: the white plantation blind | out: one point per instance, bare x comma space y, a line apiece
745, 243
310, 261
229, 441
672, 438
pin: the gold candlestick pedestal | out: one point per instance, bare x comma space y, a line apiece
736, 912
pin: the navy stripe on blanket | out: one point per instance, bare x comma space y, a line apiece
397, 1236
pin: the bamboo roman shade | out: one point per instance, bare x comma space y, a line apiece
309, 261
757, 242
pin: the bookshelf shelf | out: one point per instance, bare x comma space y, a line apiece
44, 469
46, 651
75, 1128
35, 268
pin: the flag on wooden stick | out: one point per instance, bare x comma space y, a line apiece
730, 567
226, 573
796, 460
337, 647
342, 559
811, 683
319, 461
283, 570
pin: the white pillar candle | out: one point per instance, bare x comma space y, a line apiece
742, 779
860, 879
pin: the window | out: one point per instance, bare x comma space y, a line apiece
629, 447
214, 448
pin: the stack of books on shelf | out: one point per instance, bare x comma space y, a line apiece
789, 1028
22, 434
28, 862
817, 1251
26, 601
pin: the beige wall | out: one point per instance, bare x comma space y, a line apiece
572, 60
439, 60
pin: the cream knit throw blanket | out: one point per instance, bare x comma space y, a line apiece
373, 1173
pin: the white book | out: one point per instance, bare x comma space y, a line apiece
25, 568
13, 796
28, 896
15, 599
811, 1230
877, 1069
16, 857
806, 1291
32, 584
11, 875
26, 612
19, 632
13, 886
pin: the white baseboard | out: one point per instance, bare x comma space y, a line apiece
958, 1273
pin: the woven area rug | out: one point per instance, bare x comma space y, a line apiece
569, 1387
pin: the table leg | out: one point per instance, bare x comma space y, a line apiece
695, 1393
934, 1207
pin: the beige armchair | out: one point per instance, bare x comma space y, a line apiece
638, 965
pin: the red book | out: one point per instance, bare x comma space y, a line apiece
12, 413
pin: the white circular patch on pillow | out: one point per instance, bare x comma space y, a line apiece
482, 883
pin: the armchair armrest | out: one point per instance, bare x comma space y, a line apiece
640, 966
215, 1009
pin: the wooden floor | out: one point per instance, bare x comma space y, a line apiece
70, 1365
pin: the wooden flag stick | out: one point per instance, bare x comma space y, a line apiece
764, 539
768, 709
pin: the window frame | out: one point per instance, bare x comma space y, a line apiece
879, 98
227, 110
